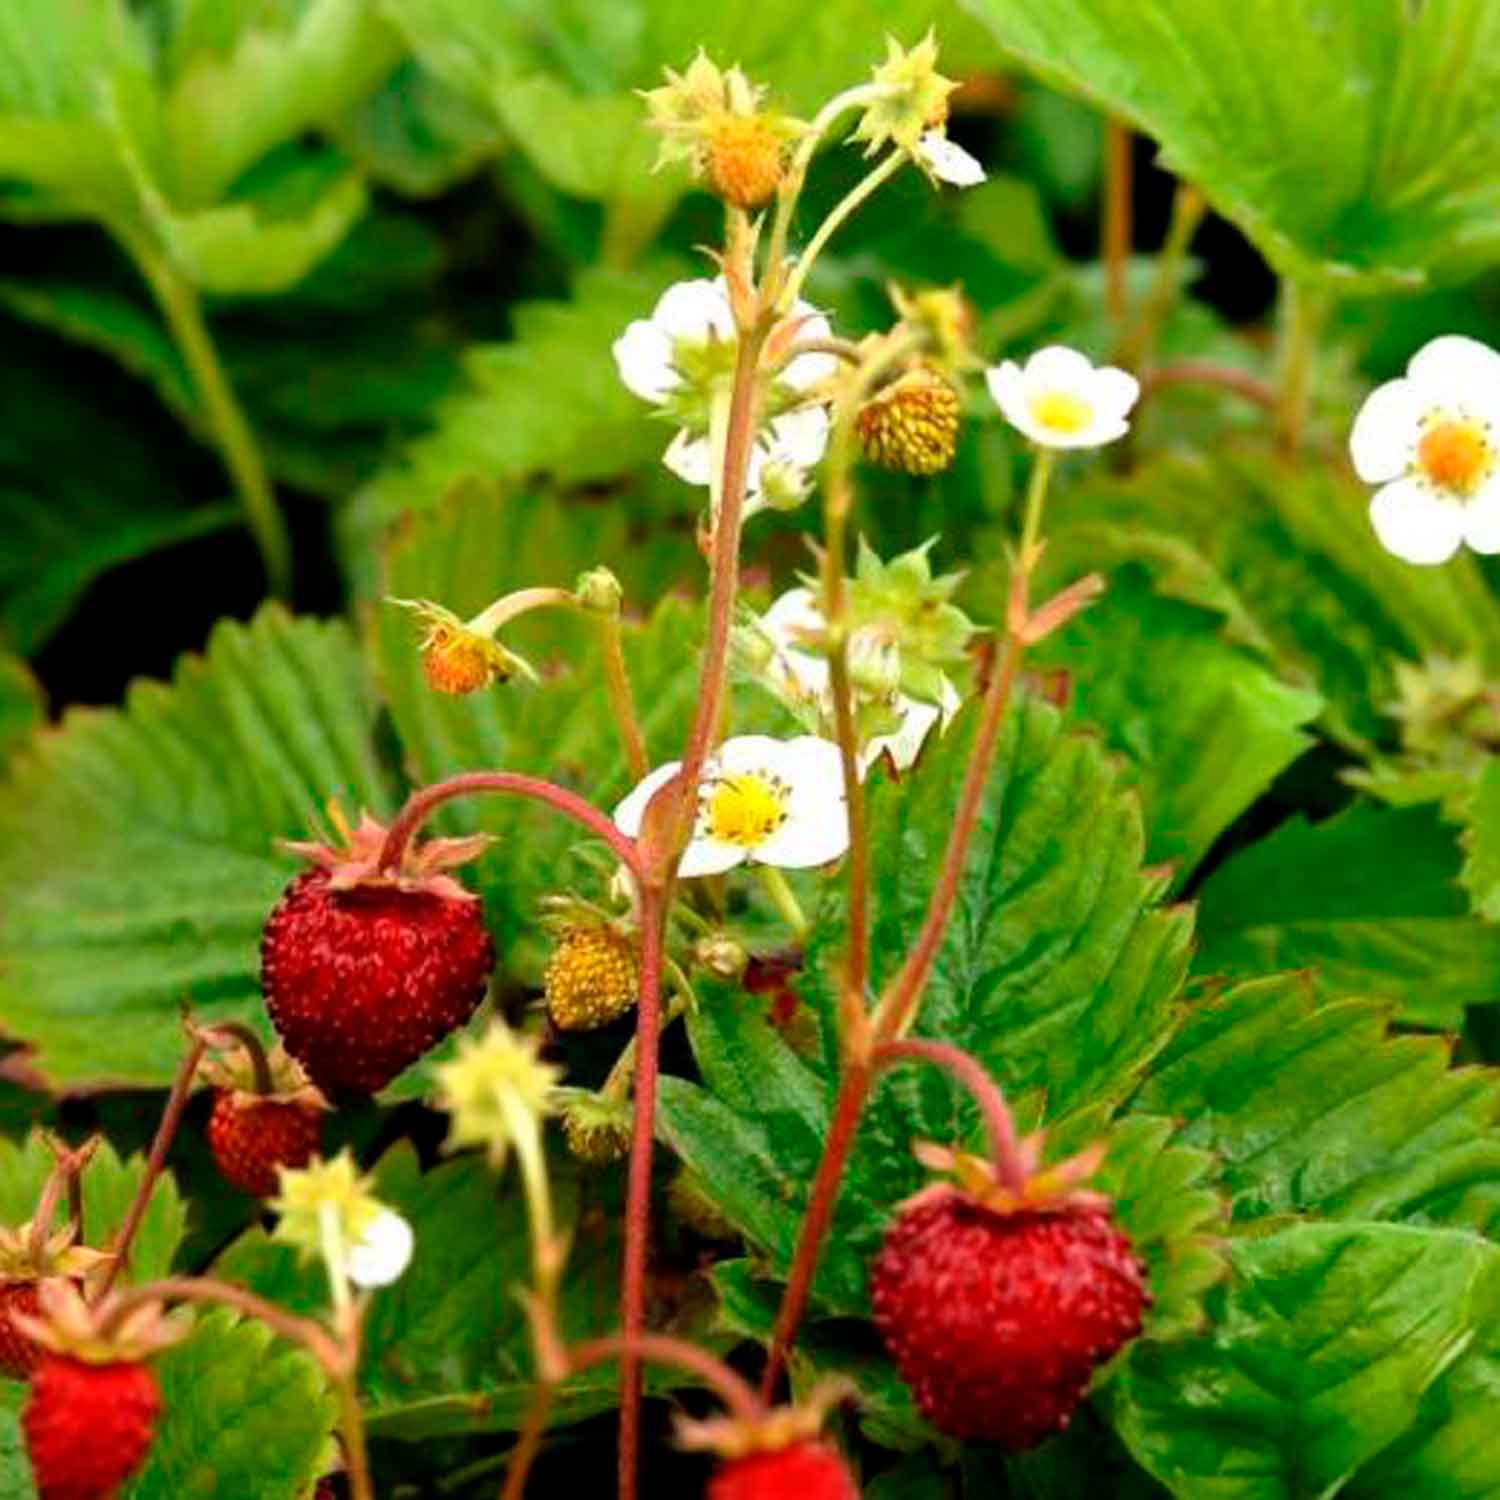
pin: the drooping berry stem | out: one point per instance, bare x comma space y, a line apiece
1005, 1145
1206, 372
661, 1349
422, 804
260, 1065
656, 883
161, 1146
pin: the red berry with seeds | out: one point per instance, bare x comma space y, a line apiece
365, 969
253, 1137
17, 1352
808, 1470
88, 1426
997, 1319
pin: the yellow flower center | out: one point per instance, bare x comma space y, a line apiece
745, 808
1455, 454
1061, 411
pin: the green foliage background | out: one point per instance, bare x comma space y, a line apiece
1220, 910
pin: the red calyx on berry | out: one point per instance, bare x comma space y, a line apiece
366, 969
998, 1308
94, 1401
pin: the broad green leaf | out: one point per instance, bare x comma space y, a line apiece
15, 1466
241, 1408
448, 1346
159, 823
1328, 1340
1357, 144
22, 707
1368, 900
1481, 841
1205, 726
1059, 972
1297, 566
109, 1188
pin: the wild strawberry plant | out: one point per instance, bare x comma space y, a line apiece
897, 849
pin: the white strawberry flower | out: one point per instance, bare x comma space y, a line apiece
1431, 441
802, 675
770, 801
383, 1252
1060, 400
948, 161
683, 355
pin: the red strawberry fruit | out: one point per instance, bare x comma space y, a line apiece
808, 1470
27, 1260
366, 969
997, 1314
266, 1115
17, 1352
94, 1402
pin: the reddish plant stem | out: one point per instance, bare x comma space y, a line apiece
58, 1181
528, 1442
421, 804
1205, 372
656, 883
1118, 187
253, 1046
1005, 1145
662, 1349
161, 1146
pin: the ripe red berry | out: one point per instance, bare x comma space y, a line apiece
251, 1137
88, 1426
18, 1353
361, 981
808, 1469
998, 1320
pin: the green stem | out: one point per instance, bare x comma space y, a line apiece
1303, 313
784, 898
621, 697
352, 1426
1188, 208
875, 178
183, 310
1036, 499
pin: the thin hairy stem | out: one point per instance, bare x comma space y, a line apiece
243, 1036
1205, 372
1118, 190
661, 1349
521, 602
352, 1429
784, 899
1005, 1145
230, 427
871, 182
1304, 311
1188, 208
621, 698
422, 804
161, 1146
528, 1442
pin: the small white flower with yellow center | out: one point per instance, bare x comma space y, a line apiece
775, 802
682, 357
327, 1210
1431, 440
1059, 400
789, 624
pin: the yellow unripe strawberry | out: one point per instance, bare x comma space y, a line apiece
912, 425
591, 978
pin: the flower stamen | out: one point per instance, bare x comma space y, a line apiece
745, 808
1061, 411
1455, 454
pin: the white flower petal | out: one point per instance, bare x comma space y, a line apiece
1007, 389
694, 310
905, 743
709, 857
799, 669
1114, 391
632, 807
1386, 430
948, 161
808, 370
1482, 518
1454, 361
384, 1252
1058, 367
690, 458
816, 829
643, 356
752, 752
1415, 524
799, 437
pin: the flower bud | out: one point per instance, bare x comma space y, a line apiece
591, 978
599, 591
597, 1130
744, 159
874, 663
721, 955
912, 425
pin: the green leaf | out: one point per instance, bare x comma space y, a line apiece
1315, 1110
1327, 1343
238, 1406
1358, 145
159, 824
1292, 562
1481, 842
448, 1347
22, 705
1059, 973
15, 1466
1205, 726
1368, 900
109, 1188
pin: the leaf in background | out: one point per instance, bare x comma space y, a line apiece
1059, 973
15, 1466
1481, 843
1369, 901
448, 1346
1297, 552
475, 548
1314, 1109
109, 1187
238, 1406
1328, 1340
153, 829
1358, 144
1205, 726
22, 706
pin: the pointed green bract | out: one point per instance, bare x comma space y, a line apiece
157, 826
1358, 145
